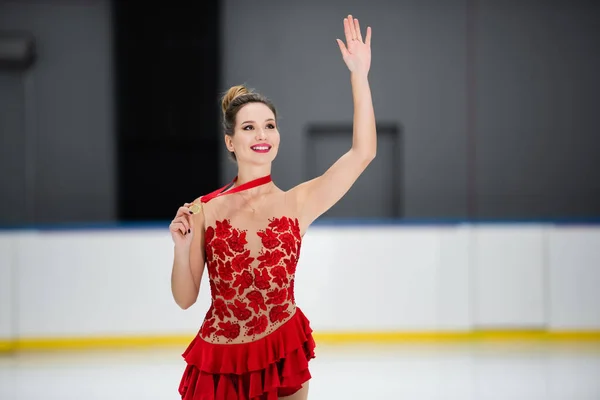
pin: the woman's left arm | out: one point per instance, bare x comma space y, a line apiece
318, 195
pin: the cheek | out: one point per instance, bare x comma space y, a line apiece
240, 139
276, 138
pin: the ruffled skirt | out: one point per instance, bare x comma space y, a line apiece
273, 366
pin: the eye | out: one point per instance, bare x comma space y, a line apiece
246, 127
271, 126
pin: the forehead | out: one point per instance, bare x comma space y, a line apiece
258, 112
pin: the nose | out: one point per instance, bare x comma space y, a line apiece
260, 134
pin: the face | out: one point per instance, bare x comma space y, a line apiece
256, 138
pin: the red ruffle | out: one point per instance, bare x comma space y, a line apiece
276, 365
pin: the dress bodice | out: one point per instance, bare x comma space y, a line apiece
251, 259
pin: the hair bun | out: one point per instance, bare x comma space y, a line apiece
232, 93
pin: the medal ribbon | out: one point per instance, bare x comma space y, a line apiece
244, 186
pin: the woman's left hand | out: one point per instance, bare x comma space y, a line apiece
356, 54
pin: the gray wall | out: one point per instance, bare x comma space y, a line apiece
288, 51
528, 128
57, 160
538, 108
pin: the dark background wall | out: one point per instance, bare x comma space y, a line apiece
167, 69
494, 105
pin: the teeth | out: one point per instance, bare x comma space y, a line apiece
260, 147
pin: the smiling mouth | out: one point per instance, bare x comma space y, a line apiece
261, 148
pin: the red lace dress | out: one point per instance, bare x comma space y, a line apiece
254, 343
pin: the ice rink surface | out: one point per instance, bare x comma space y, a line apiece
465, 371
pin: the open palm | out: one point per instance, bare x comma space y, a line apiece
356, 52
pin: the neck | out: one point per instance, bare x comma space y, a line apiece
250, 173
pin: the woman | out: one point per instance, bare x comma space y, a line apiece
255, 343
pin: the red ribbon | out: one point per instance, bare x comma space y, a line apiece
248, 185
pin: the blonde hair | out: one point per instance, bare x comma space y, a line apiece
231, 94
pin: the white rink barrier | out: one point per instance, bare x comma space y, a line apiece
90, 283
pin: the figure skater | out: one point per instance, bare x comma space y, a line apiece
255, 342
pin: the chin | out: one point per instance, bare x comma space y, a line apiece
262, 158
262, 161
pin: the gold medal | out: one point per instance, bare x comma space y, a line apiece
195, 208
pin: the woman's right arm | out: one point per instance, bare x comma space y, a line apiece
187, 230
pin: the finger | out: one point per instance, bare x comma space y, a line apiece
347, 30
178, 227
185, 221
191, 226
342, 48
368, 37
183, 211
357, 31
352, 30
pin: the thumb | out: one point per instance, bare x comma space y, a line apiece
342, 48
192, 222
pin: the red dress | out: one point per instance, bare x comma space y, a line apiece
254, 343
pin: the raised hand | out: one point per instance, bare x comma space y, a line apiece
356, 52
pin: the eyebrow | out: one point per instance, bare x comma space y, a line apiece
268, 120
